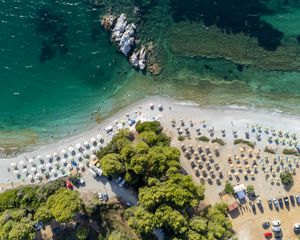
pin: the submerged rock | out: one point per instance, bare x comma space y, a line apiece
124, 35
108, 21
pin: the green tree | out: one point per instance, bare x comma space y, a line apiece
154, 126
117, 235
142, 221
111, 165
64, 204
43, 214
198, 224
178, 190
15, 225
219, 225
148, 137
82, 232
171, 219
229, 188
286, 178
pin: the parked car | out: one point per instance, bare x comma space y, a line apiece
93, 172
270, 203
280, 202
69, 185
278, 234
292, 199
297, 226
119, 179
121, 184
103, 196
268, 234
82, 182
297, 199
286, 200
276, 229
275, 202
258, 201
276, 223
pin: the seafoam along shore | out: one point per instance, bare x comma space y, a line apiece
155, 108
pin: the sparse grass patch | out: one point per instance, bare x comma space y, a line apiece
218, 141
269, 150
290, 151
242, 141
203, 139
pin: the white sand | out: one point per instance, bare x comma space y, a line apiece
220, 118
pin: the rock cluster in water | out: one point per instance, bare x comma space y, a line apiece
124, 35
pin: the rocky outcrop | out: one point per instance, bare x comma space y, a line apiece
123, 34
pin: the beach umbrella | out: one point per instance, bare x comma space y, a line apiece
93, 149
55, 155
71, 149
30, 160
93, 157
85, 153
78, 145
39, 157
53, 171
236, 174
38, 175
41, 167
69, 166
29, 177
63, 160
33, 169
80, 165
229, 174
22, 163
25, 170
48, 165
13, 165
99, 136
93, 140
207, 147
151, 105
48, 157
16, 172
86, 143
63, 151
79, 156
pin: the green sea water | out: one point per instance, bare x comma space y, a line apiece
60, 74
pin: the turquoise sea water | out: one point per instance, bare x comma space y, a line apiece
57, 66
59, 72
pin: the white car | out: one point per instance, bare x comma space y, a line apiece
297, 226
276, 223
121, 184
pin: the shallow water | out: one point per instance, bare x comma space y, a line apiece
60, 73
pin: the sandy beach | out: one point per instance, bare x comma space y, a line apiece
228, 118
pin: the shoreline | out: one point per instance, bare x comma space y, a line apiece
219, 116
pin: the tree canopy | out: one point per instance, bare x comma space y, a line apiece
22, 208
286, 178
64, 204
139, 157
